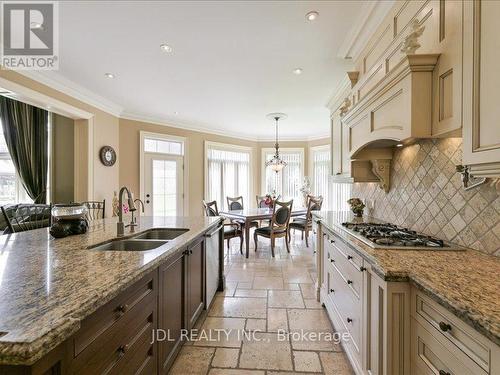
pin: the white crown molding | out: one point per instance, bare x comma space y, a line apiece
65, 86
74, 90
339, 94
362, 29
175, 123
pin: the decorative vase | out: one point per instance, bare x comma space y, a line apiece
358, 213
357, 206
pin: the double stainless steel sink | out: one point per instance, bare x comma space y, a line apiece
148, 240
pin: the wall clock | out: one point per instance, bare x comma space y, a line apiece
107, 155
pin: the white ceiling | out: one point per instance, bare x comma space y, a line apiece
231, 64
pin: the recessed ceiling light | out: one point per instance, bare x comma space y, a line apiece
166, 48
399, 145
297, 71
109, 75
311, 16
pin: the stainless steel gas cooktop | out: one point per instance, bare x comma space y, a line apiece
386, 235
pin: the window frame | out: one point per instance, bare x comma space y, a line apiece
21, 194
229, 147
265, 151
185, 157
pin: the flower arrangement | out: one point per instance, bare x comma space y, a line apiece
357, 206
270, 198
305, 189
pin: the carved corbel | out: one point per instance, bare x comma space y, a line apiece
353, 77
344, 108
411, 44
382, 169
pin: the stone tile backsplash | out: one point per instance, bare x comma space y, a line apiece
427, 195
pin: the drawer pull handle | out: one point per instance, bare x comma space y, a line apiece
349, 320
362, 268
331, 241
122, 350
332, 291
444, 326
332, 260
122, 309
349, 282
442, 372
349, 257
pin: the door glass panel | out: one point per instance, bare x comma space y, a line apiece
164, 187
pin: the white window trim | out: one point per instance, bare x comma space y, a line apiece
229, 147
267, 150
165, 137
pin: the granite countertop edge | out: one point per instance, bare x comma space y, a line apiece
409, 276
28, 353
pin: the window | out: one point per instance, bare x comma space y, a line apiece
11, 188
163, 146
288, 181
320, 171
227, 173
162, 174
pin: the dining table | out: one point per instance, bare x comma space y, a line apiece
247, 215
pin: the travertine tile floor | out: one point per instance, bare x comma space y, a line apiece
264, 297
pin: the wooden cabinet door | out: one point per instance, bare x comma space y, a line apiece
481, 55
171, 310
195, 281
336, 149
346, 149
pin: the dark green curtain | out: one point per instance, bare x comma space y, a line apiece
26, 133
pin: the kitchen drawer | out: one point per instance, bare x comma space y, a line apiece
139, 358
111, 313
445, 324
347, 305
352, 276
351, 257
430, 356
126, 343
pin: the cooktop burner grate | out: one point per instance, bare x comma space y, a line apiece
390, 235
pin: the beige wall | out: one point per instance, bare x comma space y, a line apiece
129, 166
123, 136
62, 160
105, 132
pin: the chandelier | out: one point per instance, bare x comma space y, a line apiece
276, 163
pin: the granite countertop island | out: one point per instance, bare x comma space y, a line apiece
465, 282
48, 286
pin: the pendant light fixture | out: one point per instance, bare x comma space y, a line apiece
276, 163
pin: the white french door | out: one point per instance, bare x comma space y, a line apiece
163, 185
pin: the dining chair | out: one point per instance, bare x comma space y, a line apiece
278, 227
237, 204
24, 217
96, 209
231, 230
305, 224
